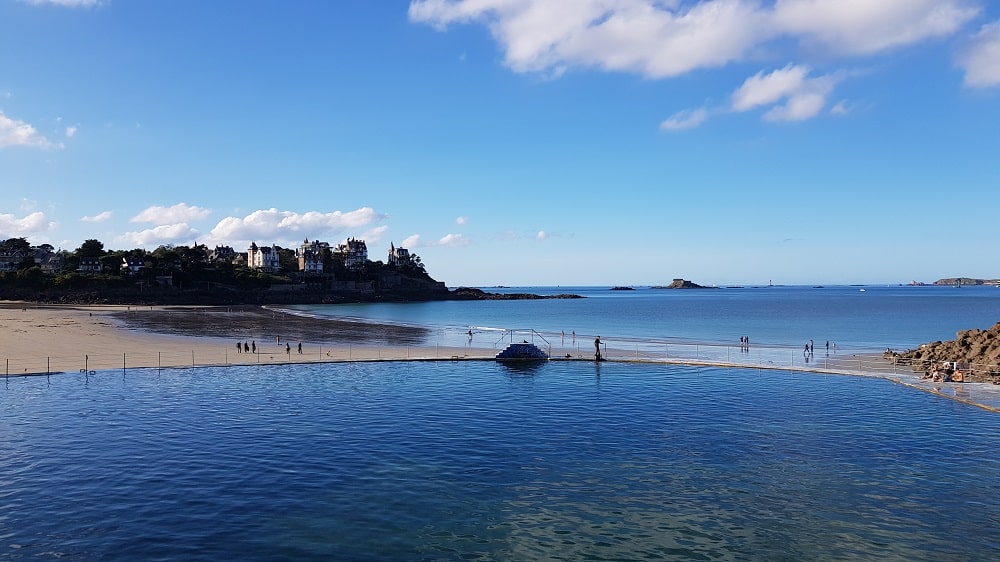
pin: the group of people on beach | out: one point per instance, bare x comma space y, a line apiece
244, 347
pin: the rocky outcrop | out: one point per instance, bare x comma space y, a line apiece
473, 294
682, 284
976, 353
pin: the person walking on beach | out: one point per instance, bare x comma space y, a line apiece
239, 347
288, 350
253, 346
246, 347
300, 348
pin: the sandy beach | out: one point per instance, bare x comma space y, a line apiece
40, 339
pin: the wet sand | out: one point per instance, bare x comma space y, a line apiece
39, 339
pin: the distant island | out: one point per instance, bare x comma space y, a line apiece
966, 281
681, 284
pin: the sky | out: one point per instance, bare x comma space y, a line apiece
516, 142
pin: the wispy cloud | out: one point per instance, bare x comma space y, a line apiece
981, 60
448, 241
14, 132
181, 212
791, 93
686, 119
99, 217
461, 221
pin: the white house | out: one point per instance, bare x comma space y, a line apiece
263, 258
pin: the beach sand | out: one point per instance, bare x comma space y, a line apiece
38, 339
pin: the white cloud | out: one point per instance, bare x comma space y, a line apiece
860, 27
542, 235
452, 241
374, 235
12, 226
649, 37
461, 220
71, 132
99, 217
272, 224
411, 241
981, 60
162, 234
66, 3
664, 38
181, 212
687, 119
14, 132
802, 97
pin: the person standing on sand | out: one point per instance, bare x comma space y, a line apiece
288, 350
253, 346
300, 348
246, 347
239, 347
597, 348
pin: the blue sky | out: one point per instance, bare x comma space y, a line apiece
516, 142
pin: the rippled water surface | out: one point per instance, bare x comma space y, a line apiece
474, 460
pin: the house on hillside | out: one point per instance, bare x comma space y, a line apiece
11, 260
222, 254
398, 256
310, 256
263, 258
50, 262
354, 253
131, 266
90, 265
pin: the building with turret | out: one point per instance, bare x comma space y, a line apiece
310, 256
263, 258
398, 256
354, 253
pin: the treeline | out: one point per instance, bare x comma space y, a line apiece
91, 266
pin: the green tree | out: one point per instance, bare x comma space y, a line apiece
91, 248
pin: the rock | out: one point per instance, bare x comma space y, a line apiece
978, 349
681, 284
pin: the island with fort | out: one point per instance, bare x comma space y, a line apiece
315, 272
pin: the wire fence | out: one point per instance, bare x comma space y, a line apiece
759, 356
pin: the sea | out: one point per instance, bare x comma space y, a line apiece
477, 460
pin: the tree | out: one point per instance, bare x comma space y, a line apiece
91, 248
15, 245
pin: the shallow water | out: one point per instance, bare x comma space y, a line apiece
474, 460
899, 317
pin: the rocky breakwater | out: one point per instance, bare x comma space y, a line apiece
974, 356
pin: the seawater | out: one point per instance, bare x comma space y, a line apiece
870, 318
467, 460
